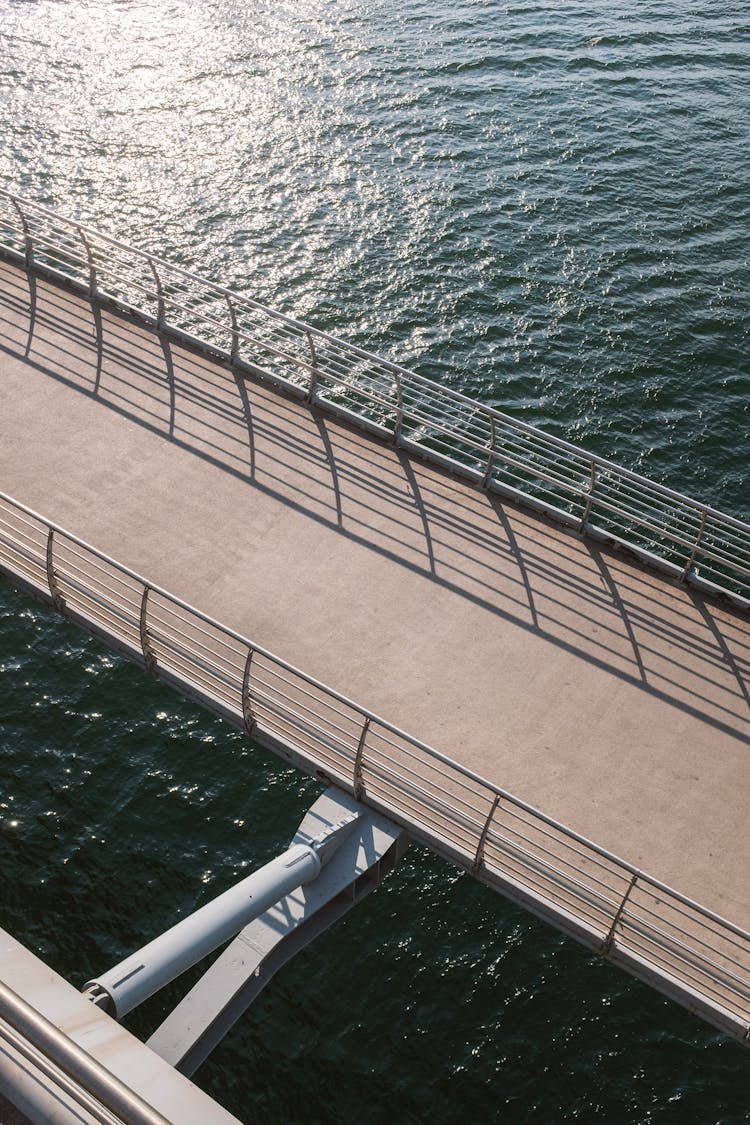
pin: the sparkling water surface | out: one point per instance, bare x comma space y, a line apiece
544, 206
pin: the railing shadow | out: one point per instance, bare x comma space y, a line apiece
591, 601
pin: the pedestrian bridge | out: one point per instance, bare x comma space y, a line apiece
535, 661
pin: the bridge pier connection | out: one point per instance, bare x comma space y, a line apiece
339, 854
49, 1071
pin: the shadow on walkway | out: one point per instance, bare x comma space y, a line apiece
596, 603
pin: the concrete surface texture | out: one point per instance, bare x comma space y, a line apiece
612, 699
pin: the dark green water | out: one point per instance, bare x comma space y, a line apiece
546, 206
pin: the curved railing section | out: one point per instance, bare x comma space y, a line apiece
616, 910
680, 535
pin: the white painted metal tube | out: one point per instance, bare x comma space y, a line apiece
139, 976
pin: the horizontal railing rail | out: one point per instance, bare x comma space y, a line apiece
614, 908
686, 538
68, 1068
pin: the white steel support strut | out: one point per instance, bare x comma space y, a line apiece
136, 978
370, 849
340, 852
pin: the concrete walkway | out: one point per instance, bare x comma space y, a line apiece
613, 700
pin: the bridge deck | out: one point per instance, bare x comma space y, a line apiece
612, 699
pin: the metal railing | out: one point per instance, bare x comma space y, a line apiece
68, 1068
684, 537
675, 944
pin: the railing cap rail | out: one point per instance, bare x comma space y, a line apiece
85, 1070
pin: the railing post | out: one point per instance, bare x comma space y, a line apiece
160, 308
491, 452
607, 943
90, 259
149, 656
399, 419
314, 373
248, 717
234, 350
357, 779
28, 241
589, 499
58, 600
696, 547
479, 855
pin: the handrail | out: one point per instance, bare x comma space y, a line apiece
691, 540
89, 1078
450, 807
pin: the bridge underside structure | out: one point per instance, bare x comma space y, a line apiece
563, 681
